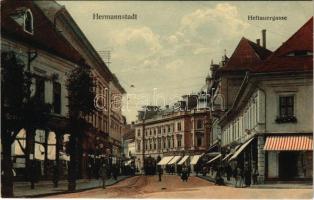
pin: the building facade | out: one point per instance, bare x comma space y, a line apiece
171, 133
47, 39
269, 126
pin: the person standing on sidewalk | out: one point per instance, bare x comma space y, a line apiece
160, 172
103, 174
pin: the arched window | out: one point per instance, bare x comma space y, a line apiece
28, 22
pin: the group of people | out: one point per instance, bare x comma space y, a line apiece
185, 173
242, 175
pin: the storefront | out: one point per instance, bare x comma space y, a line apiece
289, 157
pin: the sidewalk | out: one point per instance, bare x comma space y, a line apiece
45, 188
264, 186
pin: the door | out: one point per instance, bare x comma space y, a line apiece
287, 165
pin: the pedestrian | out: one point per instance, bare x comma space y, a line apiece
103, 173
160, 172
89, 171
229, 172
247, 174
239, 176
55, 176
184, 174
235, 176
254, 174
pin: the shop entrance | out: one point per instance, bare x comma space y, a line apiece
288, 165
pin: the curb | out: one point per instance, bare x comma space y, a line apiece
261, 186
68, 192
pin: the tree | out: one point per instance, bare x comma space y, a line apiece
19, 110
81, 103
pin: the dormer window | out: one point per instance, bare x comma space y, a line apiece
300, 53
28, 22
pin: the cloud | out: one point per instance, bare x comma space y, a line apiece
222, 21
141, 38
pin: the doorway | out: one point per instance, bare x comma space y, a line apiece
288, 165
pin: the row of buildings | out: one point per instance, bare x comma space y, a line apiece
45, 38
258, 116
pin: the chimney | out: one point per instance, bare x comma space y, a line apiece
264, 37
258, 42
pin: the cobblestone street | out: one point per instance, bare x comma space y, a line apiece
173, 187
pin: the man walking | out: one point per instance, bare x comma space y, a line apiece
103, 174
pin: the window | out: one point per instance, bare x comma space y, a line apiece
28, 22
168, 143
56, 97
139, 132
286, 110
199, 141
40, 90
154, 145
179, 126
138, 146
164, 144
179, 142
286, 104
159, 143
168, 129
199, 124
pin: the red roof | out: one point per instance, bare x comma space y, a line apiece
246, 55
45, 37
302, 40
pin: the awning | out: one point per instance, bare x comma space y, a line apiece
227, 156
174, 160
215, 144
235, 155
165, 160
195, 159
212, 160
230, 154
183, 160
289, 143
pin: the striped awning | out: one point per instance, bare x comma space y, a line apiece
174, 160
195, 159
212, 160
183, 160
289, 143
165, 160
238, 151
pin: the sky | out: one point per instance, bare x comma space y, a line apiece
167, 51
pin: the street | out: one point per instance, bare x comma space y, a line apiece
173, 187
